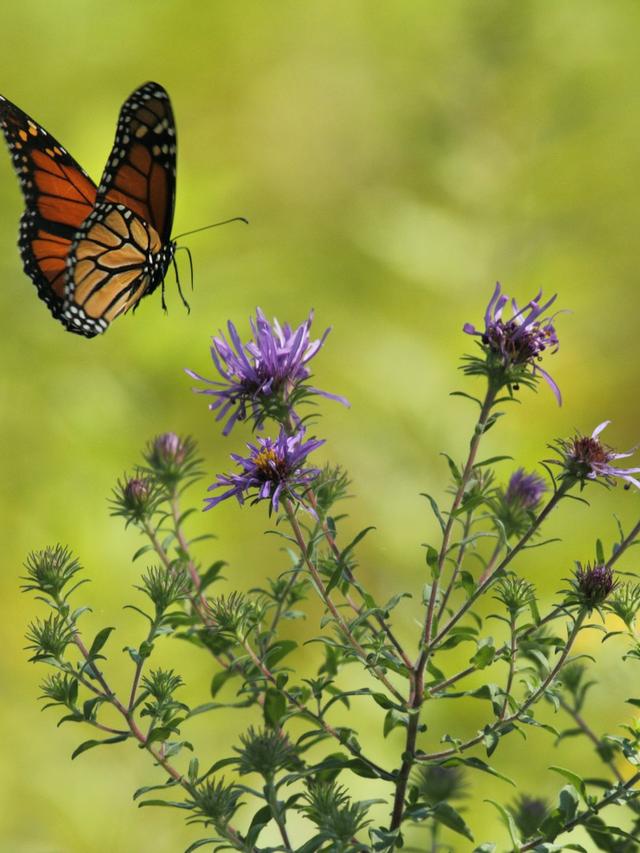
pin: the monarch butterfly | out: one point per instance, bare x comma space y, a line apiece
94, 252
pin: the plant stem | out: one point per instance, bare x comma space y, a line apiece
416, 690
293, 700
512, 668
456, 569
340, 622
553, 502
586, 729
502, 722
139, 735
585, 815
382, 622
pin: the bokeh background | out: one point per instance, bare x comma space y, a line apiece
394, 159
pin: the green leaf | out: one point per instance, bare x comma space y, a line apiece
346, 551
99, 641
89, 744
278, 651
478, 764
432, 558
219, 680
144, 550
508, 822
208, 577
383, 700
455, 473
449, 817
392, 720
568, 800
485, 653
492, 461
575, 780
436, 509
275, 707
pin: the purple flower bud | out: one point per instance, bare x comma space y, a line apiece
168, 448
137, 492
594, 583
525, 490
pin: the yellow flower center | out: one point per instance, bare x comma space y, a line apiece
266, 459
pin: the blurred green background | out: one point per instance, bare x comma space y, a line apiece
394, 159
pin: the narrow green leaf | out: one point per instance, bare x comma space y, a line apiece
274, 708
89, 744
508, 822
99, 641
446, 815
575, 780
436, 509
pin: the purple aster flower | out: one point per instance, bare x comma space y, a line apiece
264, 377
587, 458
274, 469
525, 490
519, 342
593, 584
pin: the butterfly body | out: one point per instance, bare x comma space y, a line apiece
95, 252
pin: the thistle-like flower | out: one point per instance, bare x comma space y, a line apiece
438, 783
273, 470
50, 570
591, 585
265, 377
266, 751
529, 813
586, 458
515, 593
625, 603
171, 459
135, 498
514, 347
215, 802
330, 808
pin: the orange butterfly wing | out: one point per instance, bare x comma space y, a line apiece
58, 194
115, 260
141, 169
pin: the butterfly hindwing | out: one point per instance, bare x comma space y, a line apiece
115, 260
141, 170
58, 195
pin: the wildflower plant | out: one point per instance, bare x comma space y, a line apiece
292, 778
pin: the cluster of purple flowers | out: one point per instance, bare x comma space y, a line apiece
266, 378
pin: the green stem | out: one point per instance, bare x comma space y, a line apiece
588, 813
503, 722
326, 597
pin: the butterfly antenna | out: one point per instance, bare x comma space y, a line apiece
184, 301
215, 225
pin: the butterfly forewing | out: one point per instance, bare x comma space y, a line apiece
58, 194
141, 170
115, 260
